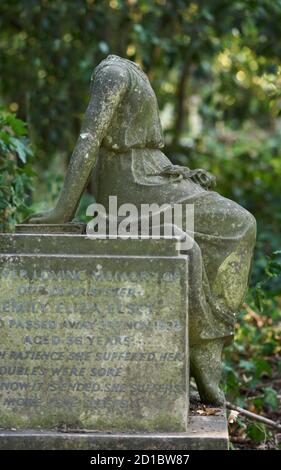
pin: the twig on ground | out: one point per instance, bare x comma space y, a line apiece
253, 416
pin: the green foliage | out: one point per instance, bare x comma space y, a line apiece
15, 170
257, 432
216, 70
271, 398
252, 364
230, 46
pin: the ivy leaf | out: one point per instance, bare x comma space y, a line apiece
247, 365
3, 204
257, 432
20, 148
262, 367
17, 125
271, 398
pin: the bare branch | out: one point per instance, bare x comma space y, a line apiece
253, 416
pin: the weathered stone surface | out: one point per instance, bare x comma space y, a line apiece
79, 228
204, 433
82, 245
92, 340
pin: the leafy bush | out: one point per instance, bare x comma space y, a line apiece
253, 362
15, 170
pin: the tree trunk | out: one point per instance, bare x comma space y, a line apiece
180, 109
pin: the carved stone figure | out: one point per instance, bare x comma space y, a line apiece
121, 140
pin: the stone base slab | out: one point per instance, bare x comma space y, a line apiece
204, 433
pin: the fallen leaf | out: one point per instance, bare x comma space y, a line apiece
233, 416
208, 411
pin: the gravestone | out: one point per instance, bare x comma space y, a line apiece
93, 333
94, 345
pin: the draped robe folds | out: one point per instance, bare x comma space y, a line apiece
122, 121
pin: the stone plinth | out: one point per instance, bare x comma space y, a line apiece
204, 433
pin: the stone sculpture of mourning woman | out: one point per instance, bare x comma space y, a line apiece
121, 139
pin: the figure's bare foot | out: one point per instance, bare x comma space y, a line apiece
212, 394
205, 363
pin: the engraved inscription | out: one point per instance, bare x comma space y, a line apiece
101, 346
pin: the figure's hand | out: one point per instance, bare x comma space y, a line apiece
50, 217
199, 176
203, 177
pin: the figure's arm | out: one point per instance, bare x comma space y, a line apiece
109, 86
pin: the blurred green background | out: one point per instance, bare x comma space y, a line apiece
216, 69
